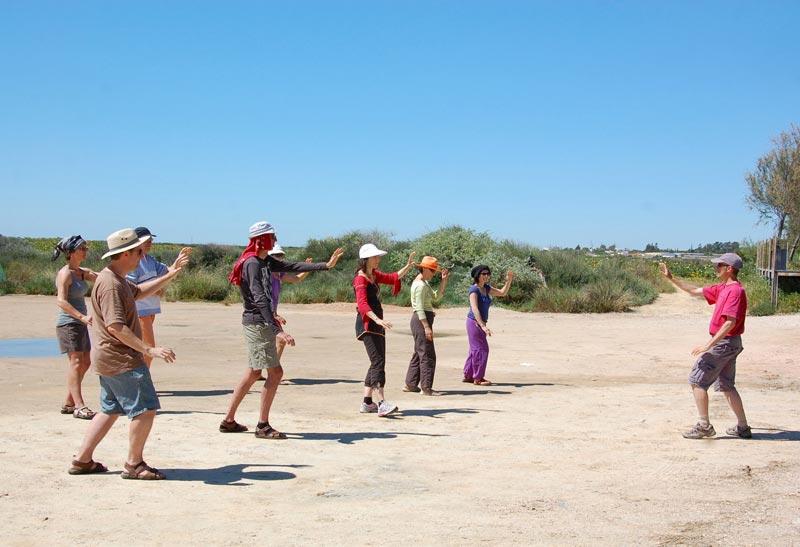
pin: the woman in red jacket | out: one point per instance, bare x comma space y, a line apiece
370, 325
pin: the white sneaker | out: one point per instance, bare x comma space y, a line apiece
386, 408
368, 408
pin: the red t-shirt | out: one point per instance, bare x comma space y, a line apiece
730, 302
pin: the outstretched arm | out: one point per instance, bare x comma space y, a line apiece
694, 290
507, 287
410, 262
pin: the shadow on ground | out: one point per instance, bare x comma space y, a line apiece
520, 384
194, 393
319, 381
473, 392
179, 412
231, 475
768, 435
353, 437
436, 412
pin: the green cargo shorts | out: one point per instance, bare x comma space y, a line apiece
261, 346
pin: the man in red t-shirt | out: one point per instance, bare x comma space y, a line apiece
716, 360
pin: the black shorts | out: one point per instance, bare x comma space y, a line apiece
73, 337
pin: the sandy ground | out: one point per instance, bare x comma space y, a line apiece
577, 442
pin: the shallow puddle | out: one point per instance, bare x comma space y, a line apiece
29, 347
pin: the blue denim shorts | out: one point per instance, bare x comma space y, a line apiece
130, 393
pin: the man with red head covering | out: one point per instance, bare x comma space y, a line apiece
252, 272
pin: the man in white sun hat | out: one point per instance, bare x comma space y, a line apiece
716, 359
252, 272
118, 356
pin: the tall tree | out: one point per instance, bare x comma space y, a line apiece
775, 183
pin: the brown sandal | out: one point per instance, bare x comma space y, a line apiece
467, 380
84, 413
86, 468
143, 472
231, 427
67, 409
482, 382
270, 433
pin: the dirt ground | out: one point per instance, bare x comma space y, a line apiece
578, 441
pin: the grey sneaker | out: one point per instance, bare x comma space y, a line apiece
386, 408
741, 432
368, 408
699, 431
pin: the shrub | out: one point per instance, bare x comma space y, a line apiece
200, 285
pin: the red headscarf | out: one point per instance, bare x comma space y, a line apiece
257, 244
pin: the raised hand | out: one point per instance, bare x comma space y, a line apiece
337, 254
182, 259
445, 274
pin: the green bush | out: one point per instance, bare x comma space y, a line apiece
576, 282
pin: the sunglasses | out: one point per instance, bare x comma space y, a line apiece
485, 273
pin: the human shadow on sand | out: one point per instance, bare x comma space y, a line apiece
193, 393
473, 392
521, 384
230, 475
319, 381
353, 437
770, 434
437, 412
178, 412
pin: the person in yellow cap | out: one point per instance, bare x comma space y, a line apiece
423, 361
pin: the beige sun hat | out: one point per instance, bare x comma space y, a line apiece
123, 240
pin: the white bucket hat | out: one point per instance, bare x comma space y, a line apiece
123, 240
260, 228
276, 250
369, 250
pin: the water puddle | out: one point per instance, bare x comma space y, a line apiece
29, 347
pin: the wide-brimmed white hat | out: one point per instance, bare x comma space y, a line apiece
123, 240
260, 228
276, 250
369, 250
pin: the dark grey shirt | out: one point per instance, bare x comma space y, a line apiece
256, 287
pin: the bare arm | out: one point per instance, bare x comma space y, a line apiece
694, 290
89, 275
63, 280
507, 287
404, 270
721, 333
125, 335
473, 304
437, 295
153, 286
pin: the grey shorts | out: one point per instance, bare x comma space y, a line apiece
261, 346
73, 337
130, 393
718, 365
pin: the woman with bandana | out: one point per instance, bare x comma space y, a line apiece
73, 321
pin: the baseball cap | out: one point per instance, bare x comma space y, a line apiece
731, 259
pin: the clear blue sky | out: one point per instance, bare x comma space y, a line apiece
554, 123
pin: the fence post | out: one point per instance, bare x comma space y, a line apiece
774, 272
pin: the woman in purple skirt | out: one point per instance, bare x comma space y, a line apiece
480, 298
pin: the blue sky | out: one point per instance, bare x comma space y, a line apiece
553, 123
